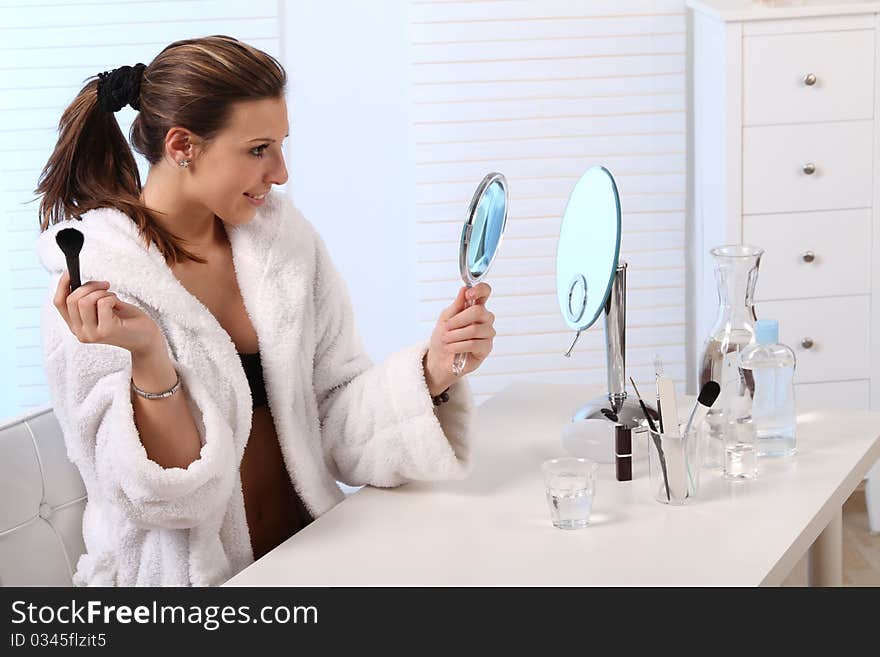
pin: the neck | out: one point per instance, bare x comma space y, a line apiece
189, 220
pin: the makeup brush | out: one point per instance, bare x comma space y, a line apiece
654, 438
70, 240
708, 394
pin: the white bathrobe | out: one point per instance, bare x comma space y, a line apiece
337, 416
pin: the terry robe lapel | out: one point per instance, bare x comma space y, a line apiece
266, 262
337, 416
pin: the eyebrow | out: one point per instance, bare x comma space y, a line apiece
268, 138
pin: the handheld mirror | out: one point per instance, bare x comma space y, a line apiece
481, 237
589, 245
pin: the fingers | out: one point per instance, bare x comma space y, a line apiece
467, 324
457, 306
469, 332
88, 314
79, 302
60, 298
479, 348
480, 293
477, 295
475, 314
105, 307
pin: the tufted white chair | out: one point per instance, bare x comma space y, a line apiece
42, 498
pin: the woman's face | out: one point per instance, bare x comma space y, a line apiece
243, 161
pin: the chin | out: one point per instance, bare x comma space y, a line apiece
240, 213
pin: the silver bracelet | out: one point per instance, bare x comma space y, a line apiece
157, 395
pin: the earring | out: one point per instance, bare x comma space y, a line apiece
183, 164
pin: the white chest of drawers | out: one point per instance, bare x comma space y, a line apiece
785, 144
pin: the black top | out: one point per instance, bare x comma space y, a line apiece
253, 369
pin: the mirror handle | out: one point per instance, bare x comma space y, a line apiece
460, 360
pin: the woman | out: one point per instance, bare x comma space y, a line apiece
208, 376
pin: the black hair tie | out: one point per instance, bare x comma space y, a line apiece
120, 87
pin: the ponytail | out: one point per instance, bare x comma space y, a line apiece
193, 83
92, 166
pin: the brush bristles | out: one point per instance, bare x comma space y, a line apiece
709, 393
70, 240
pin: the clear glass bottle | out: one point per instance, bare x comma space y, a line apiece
770, 367
736, 274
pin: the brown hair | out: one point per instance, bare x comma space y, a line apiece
192, 83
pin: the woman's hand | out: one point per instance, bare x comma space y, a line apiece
462, 328
96, 315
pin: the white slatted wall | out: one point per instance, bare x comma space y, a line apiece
540, 90
47, 49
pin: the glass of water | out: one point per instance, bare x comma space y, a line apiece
740, 448
740, 437
570, 483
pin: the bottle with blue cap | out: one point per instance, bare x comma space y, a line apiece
770, 366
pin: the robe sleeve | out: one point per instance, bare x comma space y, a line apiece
89, 385
379, 426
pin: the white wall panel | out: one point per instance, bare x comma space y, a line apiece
49, 49
540, 91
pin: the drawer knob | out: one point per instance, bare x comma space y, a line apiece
809, 168
807, 343
808, 256
809, 79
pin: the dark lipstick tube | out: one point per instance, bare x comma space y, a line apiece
623, 457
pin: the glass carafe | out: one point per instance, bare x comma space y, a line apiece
736, 274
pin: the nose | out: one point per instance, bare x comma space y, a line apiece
278, 173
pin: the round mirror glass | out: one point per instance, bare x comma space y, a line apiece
589, 245
483, 228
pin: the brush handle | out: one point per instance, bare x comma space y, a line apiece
73, 269
662, 457
659, 447
697, 416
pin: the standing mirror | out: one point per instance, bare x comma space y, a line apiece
589, 244
480, 238
590, 279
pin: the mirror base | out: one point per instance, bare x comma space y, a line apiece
630, 413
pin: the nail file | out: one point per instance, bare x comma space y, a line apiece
674, 457
669, 412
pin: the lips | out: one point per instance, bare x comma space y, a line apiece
258, 197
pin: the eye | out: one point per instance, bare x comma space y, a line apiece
258, 151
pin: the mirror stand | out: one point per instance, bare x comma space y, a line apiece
628, 410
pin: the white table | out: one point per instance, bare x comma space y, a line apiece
494, 528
